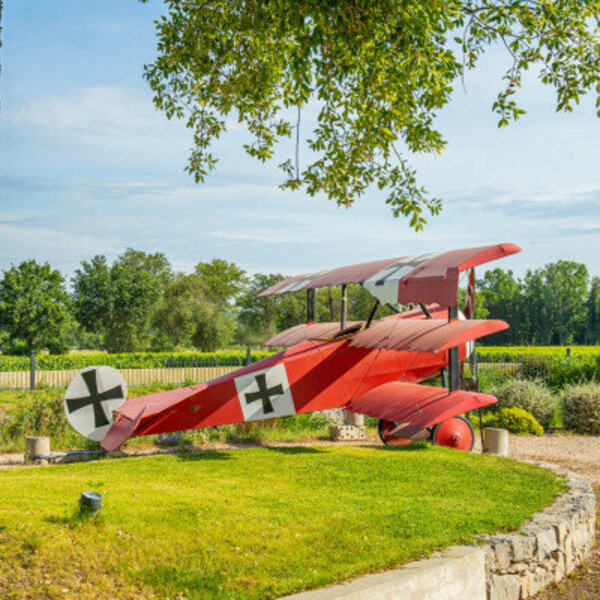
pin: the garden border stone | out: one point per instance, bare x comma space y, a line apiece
547, 547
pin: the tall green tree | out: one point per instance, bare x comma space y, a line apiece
190, 314
34, 306
548, 306
537, 309
565, 291
119, 300
175, 316
592, 328
223, 281
501, 296
261, 318
375, 73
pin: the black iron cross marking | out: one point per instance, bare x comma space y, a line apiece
264, 393
95, 398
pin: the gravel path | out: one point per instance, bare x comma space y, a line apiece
580, 453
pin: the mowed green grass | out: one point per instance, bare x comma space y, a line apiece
250, 524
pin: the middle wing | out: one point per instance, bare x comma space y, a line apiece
397, 333
311, 331
429, 335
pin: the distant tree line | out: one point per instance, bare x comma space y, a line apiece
558, 304
139, 302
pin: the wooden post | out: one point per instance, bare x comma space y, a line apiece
32, 370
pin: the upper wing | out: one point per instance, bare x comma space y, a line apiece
409, 279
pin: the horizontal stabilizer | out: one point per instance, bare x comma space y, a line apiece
420, 406
423, 335
134, 417
120, 431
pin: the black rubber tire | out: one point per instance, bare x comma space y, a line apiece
380, 432
382, 435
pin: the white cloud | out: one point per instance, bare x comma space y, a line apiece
100, 110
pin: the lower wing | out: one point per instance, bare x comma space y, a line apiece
416, 407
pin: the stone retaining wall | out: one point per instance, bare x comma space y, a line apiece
503, 567
547, 548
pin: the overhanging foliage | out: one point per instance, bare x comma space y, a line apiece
377, 71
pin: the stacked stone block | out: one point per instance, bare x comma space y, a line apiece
547, 547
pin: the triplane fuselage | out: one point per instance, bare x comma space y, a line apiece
372, 367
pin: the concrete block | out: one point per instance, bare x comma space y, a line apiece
346, 432
523, 547
36, 446
354, 419
546, 542
502, 554
456, 575
504, 587
495, 441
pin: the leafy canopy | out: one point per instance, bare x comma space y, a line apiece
119, 300
34, 305
377, 72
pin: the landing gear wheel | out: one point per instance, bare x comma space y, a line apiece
456, 432
385, 428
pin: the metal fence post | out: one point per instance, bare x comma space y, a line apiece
32, 370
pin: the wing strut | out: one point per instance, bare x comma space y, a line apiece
372, 314
310, 305
453, 355
344, 308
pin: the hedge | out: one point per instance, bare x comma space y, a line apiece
134, 360
515, 353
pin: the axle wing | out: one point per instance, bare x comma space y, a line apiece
416, 407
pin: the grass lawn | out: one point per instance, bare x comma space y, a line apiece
251, 524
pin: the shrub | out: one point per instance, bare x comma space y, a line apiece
534, 367
573, 370
532, 396
581, 408
44, 415
516, 420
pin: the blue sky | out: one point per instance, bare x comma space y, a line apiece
88, 166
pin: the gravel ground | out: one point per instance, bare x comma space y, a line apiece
580, 453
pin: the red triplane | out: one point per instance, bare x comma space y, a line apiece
371, 367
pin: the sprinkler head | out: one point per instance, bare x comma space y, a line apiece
90, 503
